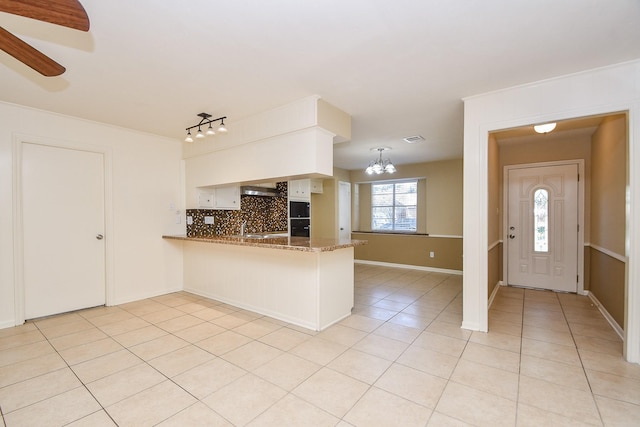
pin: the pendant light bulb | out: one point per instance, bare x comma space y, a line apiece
222, 128
199, 135
210, 131
188, 138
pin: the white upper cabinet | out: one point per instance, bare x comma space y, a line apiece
316, 186
227, 198
299, 189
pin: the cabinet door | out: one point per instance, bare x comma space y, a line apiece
227, 198
316, 186
205, 199
300, 189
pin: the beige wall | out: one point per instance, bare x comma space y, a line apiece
608, 184
608, 215
494, 216
495, 268
547, 150
495, 192
439, 206
410, 250
324, 211
324, 206
608, 283
439, 215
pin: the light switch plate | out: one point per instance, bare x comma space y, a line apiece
189, 220
208, 220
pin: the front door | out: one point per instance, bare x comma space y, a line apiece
63, 227
542, 235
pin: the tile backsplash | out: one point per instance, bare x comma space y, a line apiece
261, 213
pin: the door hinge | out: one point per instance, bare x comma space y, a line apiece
578, 177
578, 228
577, 278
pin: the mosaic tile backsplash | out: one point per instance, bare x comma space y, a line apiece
261, 213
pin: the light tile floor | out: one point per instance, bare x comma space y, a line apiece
401, 359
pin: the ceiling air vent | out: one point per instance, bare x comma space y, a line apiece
413, 139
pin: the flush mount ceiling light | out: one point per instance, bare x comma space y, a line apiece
544, 128
205, 120
379, 165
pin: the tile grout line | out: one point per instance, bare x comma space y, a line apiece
78, 378
584, 370
520, 359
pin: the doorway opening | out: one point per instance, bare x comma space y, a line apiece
601, 144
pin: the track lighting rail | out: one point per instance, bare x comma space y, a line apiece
205, 119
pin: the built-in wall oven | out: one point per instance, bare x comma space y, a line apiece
300, 227
299, 219
299, 209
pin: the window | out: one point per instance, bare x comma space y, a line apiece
393, 206
541, 218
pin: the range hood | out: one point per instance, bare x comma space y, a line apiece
249, 190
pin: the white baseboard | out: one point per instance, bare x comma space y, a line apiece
142, 296
7, 324
606, 315
409, 267
496, 288
472, 326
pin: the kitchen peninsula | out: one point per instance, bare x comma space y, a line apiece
306, 282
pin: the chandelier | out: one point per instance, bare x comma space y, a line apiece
205, 120
380, 165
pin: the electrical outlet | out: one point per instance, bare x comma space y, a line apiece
432, 254
189, 220
208, 220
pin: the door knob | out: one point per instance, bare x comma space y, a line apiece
99, 237
512, 236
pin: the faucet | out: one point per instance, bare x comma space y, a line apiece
242, 228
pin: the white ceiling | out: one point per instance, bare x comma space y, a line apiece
398, 68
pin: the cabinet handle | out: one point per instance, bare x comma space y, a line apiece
99, 237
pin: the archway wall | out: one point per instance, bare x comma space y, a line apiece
604, 90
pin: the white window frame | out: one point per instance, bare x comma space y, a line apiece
394, 182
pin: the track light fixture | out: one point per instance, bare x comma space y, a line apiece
379, 165
205, 120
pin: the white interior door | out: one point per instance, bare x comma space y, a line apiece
344, 210
542, 235
63, 227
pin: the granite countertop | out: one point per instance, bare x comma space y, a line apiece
304, 244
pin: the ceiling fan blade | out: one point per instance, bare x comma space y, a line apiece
68, 13
30, 56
